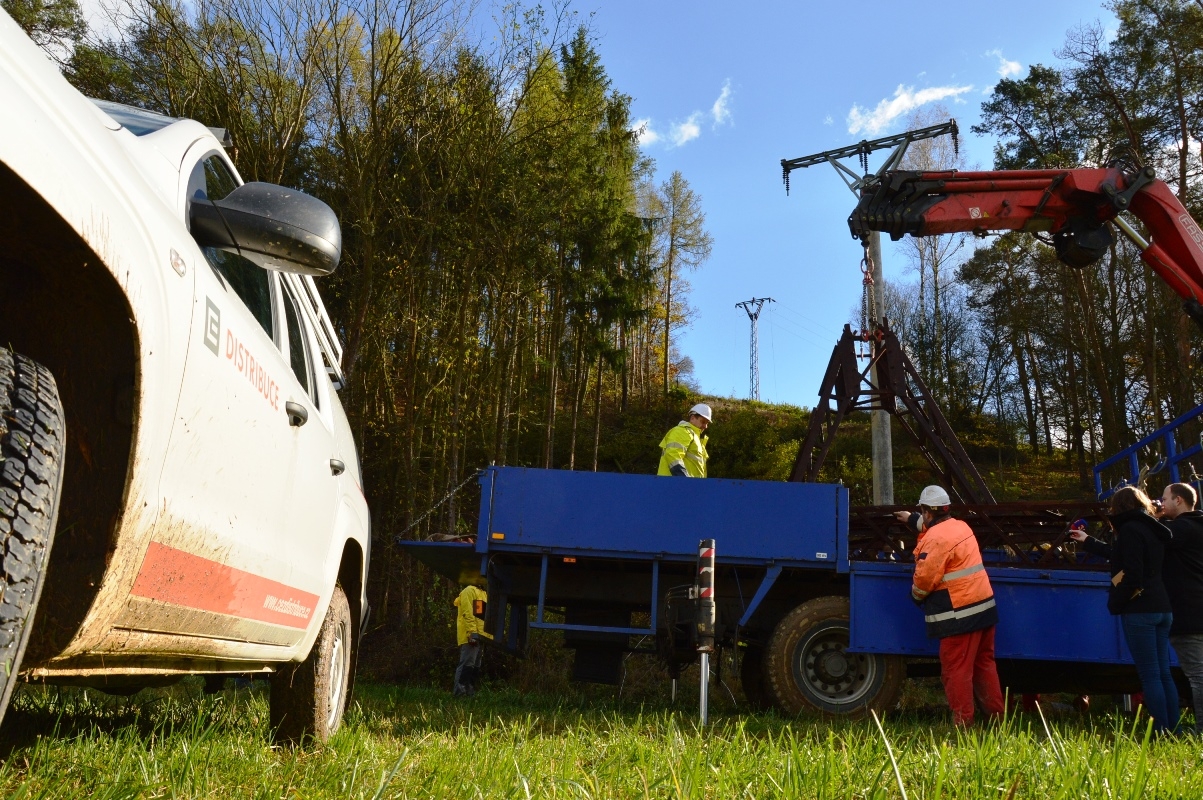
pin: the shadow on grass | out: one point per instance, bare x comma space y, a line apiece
68, 713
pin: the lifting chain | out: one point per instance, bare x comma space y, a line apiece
434, 507
868, 298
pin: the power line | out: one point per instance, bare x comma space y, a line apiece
795, 323
805, 322
810, 340
752, 307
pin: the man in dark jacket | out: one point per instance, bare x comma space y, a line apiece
1183, 577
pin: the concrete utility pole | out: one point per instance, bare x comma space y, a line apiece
883, 454
753, 307
879, 421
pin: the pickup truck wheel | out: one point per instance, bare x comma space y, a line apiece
751, 679
308, 699
808, 665
32, 438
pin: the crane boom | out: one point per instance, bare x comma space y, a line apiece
1073, 205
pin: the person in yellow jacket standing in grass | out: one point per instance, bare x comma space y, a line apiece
470, 630
683, 449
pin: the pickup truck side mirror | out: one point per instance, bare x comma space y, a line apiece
275, 227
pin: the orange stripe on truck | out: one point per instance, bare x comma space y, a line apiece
183, 579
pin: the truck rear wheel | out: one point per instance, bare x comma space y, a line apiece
808, 665
32, 438
308, 699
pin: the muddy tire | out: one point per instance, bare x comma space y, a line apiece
32, 438
751, 679
808, 666
308, 699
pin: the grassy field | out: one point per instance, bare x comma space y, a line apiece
419, 743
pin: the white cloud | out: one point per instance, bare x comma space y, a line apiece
681, 133
905, 99
686, 131
643, 131
827, 120
720, 112
1006, 67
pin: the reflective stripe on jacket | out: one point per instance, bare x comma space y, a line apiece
951, 581
686, 445
466, 621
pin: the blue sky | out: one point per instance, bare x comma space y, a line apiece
729, 89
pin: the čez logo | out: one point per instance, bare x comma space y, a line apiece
212, 325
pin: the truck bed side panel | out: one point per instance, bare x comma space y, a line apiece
643, 515
1055, 615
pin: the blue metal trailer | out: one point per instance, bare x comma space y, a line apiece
821, 617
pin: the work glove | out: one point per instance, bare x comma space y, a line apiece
678, 470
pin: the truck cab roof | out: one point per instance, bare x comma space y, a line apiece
140, 122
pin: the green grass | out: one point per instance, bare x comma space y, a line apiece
418, 743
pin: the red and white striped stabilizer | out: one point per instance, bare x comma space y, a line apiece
704, 587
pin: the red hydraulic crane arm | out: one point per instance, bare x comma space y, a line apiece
1074, 206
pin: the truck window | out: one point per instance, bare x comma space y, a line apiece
298, 346
212, 179
249, 281
219, 180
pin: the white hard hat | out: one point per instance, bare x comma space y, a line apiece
934, 496
702, 410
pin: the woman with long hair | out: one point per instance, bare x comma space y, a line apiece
1138, 597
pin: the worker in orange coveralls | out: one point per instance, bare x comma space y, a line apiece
951, 585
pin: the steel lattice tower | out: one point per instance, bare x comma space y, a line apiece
752, 307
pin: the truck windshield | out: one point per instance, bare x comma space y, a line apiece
138, 121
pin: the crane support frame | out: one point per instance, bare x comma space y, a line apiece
898, 390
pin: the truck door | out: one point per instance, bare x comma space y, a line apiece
313, 485
218, 564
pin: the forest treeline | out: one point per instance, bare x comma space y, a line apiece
1020, 348
514, 272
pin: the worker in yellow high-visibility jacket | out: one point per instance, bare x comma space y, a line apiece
470, 630
683, 449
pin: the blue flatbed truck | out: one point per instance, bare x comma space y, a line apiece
814, 596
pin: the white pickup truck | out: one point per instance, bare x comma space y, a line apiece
179, 487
